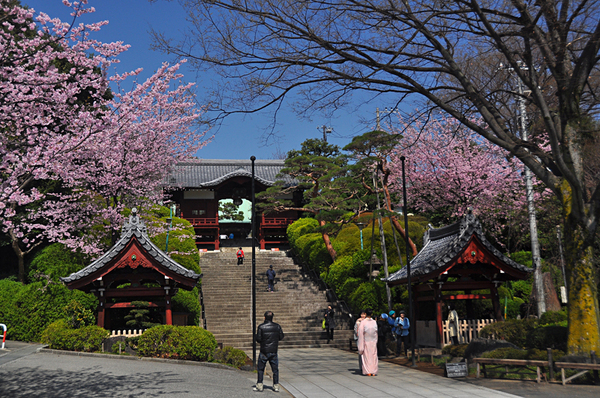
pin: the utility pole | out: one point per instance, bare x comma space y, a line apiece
326, 130
535, 245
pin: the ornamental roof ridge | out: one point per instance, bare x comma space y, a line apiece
443, 244
133, 227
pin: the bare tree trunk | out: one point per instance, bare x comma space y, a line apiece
20, 254
328, 244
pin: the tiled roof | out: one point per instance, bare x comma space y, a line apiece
211, 172
134, 227
442, 245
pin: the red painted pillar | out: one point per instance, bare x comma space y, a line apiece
168, 313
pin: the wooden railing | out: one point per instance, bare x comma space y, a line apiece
203, 221
276, 221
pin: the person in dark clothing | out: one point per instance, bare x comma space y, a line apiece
268, 334
329, 322
271, 279
383, 328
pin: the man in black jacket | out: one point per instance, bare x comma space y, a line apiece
268, 335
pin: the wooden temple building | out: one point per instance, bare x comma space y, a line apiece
197, 187
134, 269
457, 262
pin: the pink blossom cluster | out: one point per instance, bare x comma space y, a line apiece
450, 169
60, 122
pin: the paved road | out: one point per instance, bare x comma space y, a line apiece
328, 372
50, 375
305, 373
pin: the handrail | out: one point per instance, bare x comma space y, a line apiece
4, 335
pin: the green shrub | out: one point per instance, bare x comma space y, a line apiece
513, 330
119, 347
230, 356
551, 336
178, 342
513, 353
133, 342
455, 351
187, 301
339, 271
56, 261
28, 309
553, 318
369, 295
182, 243
78, 316
58, 335
522, 289
299, 228
313, 253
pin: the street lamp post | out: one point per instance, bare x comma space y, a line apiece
360, 226
169, 225
535, 245
253, 158
409, 282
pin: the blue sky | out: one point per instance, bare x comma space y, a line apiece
239, 137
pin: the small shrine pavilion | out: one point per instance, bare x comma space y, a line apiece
134, 269
457, 258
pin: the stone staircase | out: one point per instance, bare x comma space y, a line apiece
297, 303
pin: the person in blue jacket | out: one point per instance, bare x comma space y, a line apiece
402, 330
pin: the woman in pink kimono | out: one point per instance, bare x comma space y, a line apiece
367, 344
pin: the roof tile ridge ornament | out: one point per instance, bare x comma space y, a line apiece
134, 223
426, 234
469, 222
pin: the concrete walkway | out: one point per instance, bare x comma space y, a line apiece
328, 372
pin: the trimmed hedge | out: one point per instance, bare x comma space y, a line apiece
531, 354
230, 356
512, 330
455, 351
28, 309
299, 228
59, 336
56, 261
177, 342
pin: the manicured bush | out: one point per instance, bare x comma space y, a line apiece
553, 318
456, 351
531, 354
78, 316
551, 336
299, 228
513, 330
230, 356
182, 243
56, 261
312, 252
28, 309
369, 295
339, 271
59, 336
177, 342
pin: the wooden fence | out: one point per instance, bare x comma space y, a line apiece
127, 333
469, 329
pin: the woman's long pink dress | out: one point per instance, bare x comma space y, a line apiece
367, 346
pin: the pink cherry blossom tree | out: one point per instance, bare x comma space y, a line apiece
449, 170
73, 153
